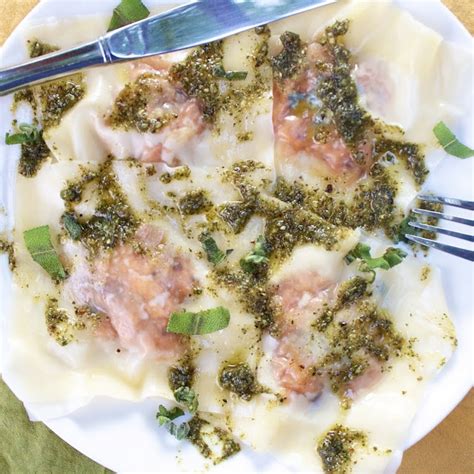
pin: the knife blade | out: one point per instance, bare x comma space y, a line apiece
183, 27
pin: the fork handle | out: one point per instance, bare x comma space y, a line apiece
54, 65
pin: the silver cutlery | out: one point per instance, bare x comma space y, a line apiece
457, 251
184, 27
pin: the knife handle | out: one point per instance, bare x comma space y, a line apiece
54, 65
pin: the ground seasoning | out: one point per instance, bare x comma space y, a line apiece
337, 447
181, 375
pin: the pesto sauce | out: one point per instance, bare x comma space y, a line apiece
194, 202
370, 334
33, 155
200, 430
200, 76
113, 221
58, 97
288, 62
57, 323
239, 379
37, 48
181, 173
181, 375
130, 109
337, 447
7, 247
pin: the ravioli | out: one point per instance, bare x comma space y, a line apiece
241, 175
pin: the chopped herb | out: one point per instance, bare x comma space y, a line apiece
38, 243
165, 418
187, 396
128, 11
450, 143
214, 254
27, 133
203, 322
72, 226
391, 258
256, 257
219, 71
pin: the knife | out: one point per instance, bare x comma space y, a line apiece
183, 27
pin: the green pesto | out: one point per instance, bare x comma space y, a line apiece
197, 77
338, 91
297, 226
130, 109
198, 431
7, 247
33, 155
260, 54
370, 335
409, 153
24, 95
351, 291
57, 323
37, 48
181, 173
113, 221
194, 202
239, 379
58, 97
253, 294
237, 214
200, 76
292, 194
336, 448
181, 375
288, 62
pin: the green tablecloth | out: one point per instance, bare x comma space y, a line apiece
27, 447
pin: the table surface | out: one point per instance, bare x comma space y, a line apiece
448, 448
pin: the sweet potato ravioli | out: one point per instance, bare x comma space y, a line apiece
224, 228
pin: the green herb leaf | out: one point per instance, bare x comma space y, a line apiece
187, 396
391, 258
72, 226
450, 143
256, 257
38, 243
219, 71
128, 11
165, 417
214, 254
203, 322
28, 133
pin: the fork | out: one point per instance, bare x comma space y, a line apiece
457, 251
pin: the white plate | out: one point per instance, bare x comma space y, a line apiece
123, 436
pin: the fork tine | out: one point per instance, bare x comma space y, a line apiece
441, 230
440, 215
463, 253
449, 201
